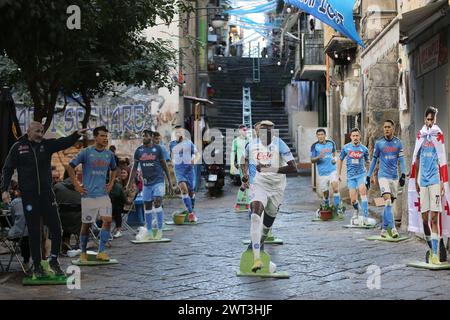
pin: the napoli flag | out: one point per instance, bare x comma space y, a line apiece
338, 14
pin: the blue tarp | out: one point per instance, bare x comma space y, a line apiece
338, 14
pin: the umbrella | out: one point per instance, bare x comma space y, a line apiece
9, 124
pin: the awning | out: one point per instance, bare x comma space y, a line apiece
198, 100
415, 21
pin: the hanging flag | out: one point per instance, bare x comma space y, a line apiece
338, 14
265, 7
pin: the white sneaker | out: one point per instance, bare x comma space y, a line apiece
144, 234
355, 219
363, 221
118, 234
394, 233
148, 236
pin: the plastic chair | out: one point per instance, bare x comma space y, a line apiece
12, 245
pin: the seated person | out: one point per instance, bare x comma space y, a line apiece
19, 231
69, 204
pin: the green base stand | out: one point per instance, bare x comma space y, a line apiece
167, 229
48, 280
267, 241
429, 266
351, 226
387, 238
151, 241
92, 261
245, 268
171, 223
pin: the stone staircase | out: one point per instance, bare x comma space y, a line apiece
266, 95
229, 116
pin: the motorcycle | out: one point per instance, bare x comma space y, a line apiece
215, 174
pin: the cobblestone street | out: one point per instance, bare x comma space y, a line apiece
324, 260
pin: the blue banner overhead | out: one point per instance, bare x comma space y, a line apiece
338, 14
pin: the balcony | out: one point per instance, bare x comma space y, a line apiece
312, 58
339, 47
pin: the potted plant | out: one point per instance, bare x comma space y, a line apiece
326, 212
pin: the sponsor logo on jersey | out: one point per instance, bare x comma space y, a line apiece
355, 154
147, 157
99, 163
264, 156
388, 149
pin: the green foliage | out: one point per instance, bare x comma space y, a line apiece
110, 44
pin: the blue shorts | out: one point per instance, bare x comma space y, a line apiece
150, 192
185, 174
354, 183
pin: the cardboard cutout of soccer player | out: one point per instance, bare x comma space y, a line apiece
96, 161
388, 152
357, 160
150, 158
267, 161
184, 155
428, 190
237, 153
323, 153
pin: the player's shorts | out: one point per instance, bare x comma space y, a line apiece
355, 183
271, 197
92, 207
326, 181
388, 186
152, 191
430, 198
185, 173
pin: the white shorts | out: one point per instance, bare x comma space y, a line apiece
430, 198
270, 197
92, 207
326, 181
388, 186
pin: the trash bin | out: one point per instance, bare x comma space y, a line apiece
136, 216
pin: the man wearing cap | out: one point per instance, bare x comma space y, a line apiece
267, 161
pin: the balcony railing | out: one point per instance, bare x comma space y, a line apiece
313, 49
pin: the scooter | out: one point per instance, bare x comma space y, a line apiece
215, 175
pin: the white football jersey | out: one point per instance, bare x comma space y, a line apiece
275, 155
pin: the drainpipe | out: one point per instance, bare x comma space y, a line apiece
197, 47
